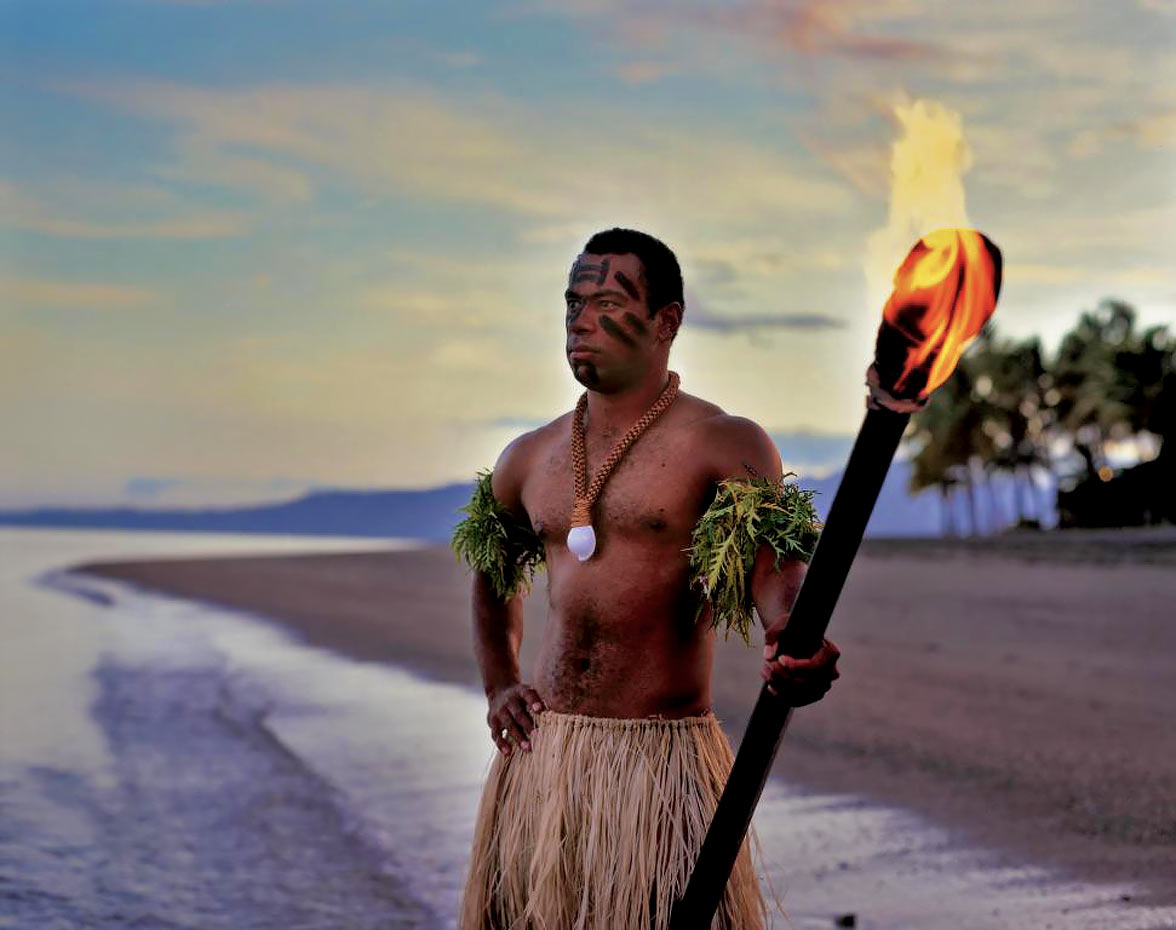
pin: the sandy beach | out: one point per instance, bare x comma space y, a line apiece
1022, 695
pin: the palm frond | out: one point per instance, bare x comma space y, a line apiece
490, 540
745, 514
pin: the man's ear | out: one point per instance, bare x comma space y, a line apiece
669, 320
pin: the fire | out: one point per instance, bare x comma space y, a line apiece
928, 161
944, 292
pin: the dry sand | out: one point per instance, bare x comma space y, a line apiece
1021, 694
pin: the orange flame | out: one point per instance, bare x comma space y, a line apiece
944, 292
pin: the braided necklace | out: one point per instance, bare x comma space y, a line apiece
582, 537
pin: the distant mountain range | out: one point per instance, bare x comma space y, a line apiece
431, 514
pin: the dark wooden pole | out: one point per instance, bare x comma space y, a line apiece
876, 443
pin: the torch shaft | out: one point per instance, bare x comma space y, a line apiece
869, 461
840, 538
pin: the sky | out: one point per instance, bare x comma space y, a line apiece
250, 248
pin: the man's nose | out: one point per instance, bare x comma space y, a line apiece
582, 322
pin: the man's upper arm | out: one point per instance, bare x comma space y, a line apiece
741, 448
510, 473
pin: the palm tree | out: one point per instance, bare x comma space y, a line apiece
1114, 383
1092, 399
1005, 409
929, 470
948, 436
1008, 390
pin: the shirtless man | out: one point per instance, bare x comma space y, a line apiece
621, 642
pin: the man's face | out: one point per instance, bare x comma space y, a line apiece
611, 338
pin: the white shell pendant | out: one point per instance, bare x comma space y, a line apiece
582, 542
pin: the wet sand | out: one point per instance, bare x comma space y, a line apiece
1022, 695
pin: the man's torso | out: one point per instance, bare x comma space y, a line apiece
621, 639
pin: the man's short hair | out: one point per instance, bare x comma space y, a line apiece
662, 275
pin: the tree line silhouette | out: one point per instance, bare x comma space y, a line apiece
1012, 409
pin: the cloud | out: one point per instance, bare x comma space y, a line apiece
864, 165
55, 208
808, 27
460, 60
730, 258
1076, 274
699, 318
265, 178
819, 28
1157, 130
644, 72
38, 292
1072, 239
445, 305
812, 453
477, 149
206, 226
516, 422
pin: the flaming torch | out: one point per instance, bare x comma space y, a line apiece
944, 291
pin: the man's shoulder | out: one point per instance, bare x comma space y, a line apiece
522, 451
527, 443
713, 421
735, 446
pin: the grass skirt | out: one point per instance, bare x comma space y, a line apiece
599, 825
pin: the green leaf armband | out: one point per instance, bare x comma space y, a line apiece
490, 540
746, 514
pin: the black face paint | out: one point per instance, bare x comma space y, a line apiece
585, 271
586, 373
626, 282
636, 322
610, 326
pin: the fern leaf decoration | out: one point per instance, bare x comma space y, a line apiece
745, 514
490, 540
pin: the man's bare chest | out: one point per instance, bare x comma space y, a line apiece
657, 491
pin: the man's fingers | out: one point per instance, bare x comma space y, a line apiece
520, 722
504, 720
515, 734
525, 706
822, 660
497, 729
799, 674
827, 653
511, 717
800, 666
534, 702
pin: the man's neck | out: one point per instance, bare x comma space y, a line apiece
608, 413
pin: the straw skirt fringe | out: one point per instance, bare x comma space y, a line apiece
598, 827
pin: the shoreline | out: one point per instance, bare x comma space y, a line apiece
1023, 704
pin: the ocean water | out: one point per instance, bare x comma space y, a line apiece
167, 764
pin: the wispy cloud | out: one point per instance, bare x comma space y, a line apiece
515, 422
413, 141
644, 72
50, 214
35, 292
699, 318
818, 27
1074, 274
